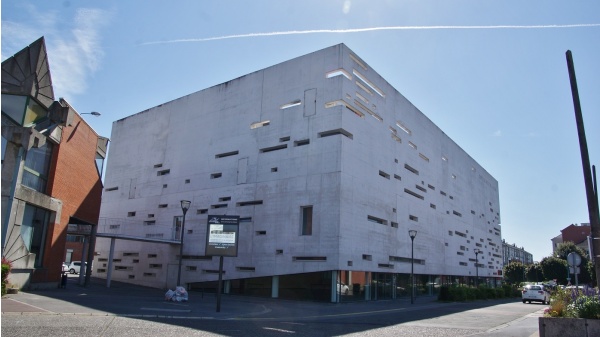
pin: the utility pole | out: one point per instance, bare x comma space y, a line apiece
592, 195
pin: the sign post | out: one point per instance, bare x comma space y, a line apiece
222, 235
574, 261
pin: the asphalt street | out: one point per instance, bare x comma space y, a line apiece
125, 309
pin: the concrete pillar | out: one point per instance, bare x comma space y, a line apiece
275, 286
111, 254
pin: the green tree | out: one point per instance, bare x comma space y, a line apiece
514, 272
534, 273
564, 249
554, 268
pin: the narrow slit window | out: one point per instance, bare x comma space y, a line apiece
302, 142
383, 174
335, 132
227, 154
403, 127
368, 83
416, 195
163, 172
348, 106
250, 203
411, 169
290, 104
377, 220
216, 175
338, 72
307, 213
257, 125
273, 148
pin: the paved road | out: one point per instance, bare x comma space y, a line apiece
137, 311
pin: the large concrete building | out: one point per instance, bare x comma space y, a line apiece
51, 171
328, 167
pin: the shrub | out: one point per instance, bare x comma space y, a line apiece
575, 303
6, 267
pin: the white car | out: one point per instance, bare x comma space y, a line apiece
535, 293
75, 267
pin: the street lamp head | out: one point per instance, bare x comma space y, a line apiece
185, 205
412, 233
93, 113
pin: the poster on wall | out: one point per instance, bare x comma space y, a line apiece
222, 235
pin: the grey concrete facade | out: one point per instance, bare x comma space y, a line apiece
321, 130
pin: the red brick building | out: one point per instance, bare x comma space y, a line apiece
52, 163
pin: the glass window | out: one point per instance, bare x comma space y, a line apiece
99, 163
34, 113
37, 165
307, 220
177, 221
14, 107
33, 231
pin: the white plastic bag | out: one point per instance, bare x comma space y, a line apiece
169, 295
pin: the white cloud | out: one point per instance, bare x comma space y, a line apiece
74, 52
497, 133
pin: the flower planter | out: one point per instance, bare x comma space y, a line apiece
568, 327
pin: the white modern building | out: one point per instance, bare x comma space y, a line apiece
328, 167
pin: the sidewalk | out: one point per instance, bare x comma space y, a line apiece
123, 299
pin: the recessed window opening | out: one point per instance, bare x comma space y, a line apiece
338, 72
397, 177
443, 193
157, 165
245, 268
163, 206
227, 154
413, 218
218, 206
261, 232
163, 172
152, 255
111, 189
130, 214
273, 148
454, 176
273, 169
306, 220
290, 104
424, 157
246, 219
309, 258
456, 213
109, 227
335, 133
279, 251
202, 211
343, 103
367, 257
369, 83
403, 128
149, 223
373, 114
224, 199
360, 64
216, 175
257, 125
432, 206
416, 195
411, 144
377, 220
250, 203
411, 169
421, 188
302, 142
394, 224
187, 181
431, 186
383, 174
362, 98
165, 185
191, 268
367, 90
284, 139
396, 138
385, 265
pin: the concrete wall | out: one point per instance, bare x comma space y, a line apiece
204, 147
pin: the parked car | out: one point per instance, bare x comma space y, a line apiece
65, 267
75, 267
535, 293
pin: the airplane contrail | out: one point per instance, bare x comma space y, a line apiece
360, 30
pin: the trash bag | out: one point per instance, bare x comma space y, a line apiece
169, 295
181, 295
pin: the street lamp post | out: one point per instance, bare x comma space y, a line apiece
477, 251
185, 205
412, 233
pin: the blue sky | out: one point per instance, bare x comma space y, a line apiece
491, 74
